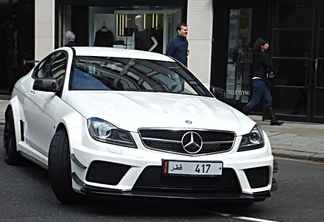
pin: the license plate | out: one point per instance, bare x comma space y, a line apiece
191, 168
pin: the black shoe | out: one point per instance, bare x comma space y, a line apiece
276, 122
273, 120
246, 110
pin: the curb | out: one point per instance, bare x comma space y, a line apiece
293, 154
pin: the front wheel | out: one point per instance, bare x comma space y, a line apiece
11, 154
59, 166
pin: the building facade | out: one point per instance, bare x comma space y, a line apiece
221, 34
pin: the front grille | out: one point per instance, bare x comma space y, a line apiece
257, 177
170, 140
152, 179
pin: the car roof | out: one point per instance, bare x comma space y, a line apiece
121, 53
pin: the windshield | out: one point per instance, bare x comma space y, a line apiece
100, 73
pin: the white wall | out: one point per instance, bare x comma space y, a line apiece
200, 28
44, 27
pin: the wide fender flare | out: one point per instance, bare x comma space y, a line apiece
18, 114
267, 142
75, 125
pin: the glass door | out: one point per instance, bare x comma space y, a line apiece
297, 38
318, 82
236, 26
240, 56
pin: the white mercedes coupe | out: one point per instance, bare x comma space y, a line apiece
109, 122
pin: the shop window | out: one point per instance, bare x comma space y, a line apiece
239, 55
146, 28
143, 31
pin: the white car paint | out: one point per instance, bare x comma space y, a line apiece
42, 112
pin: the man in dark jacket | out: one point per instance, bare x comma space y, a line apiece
178, 47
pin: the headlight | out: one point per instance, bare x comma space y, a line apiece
252, 140
106, 132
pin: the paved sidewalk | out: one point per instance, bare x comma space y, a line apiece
297, 140
3, 105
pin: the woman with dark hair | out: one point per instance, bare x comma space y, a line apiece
262, 71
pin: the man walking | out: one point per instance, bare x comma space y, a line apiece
178, 47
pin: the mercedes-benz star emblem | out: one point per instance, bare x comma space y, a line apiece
192, 142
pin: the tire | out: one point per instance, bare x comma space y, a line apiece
59, 166
11, 155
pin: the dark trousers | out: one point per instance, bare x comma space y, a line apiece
260, 90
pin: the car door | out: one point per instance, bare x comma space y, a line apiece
42, 104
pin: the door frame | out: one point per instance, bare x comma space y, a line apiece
307, 97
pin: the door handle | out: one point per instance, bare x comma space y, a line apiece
314, 79
315, 66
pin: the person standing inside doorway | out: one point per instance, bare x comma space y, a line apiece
178, 47
263, 70
69, 39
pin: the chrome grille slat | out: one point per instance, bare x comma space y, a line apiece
169, 140
156, 139
219, 142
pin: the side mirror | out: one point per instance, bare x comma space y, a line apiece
45, 84
218, 92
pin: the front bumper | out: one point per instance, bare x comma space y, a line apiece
112, 171
239, 181
138, 194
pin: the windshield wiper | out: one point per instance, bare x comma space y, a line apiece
142, 90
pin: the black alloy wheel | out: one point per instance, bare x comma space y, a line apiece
11, 155
59, 166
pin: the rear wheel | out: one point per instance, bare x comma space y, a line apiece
11, 154
59, 166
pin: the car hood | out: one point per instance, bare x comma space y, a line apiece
133, 110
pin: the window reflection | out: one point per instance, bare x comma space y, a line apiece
239, 55
99, 73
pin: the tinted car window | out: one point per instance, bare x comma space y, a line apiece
100, 73
58, 68
41, 70
53, 66
58, 65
